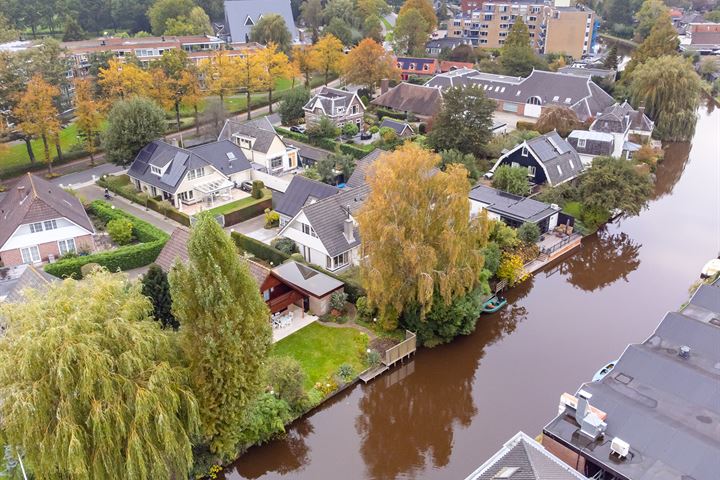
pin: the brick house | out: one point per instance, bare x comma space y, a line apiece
40, 222
338, 105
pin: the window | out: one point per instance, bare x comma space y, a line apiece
426, 67
568, 100
531, 171
30, 254
155, 170
572, 165
354, 109
336, 262
50, 224
196, 173
66, 246
187, 195
36, 227
524, 152
534, 101
581, 142
340, 109
514, 164
276, 163
559, 170
308, 230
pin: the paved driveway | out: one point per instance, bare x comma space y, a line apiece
255, 228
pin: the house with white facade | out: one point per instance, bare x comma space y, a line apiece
340, 106
629, 128
185, 176
40, 222
261, 145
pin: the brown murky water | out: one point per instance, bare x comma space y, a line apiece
447, 411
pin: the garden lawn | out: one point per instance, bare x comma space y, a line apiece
17, 154
238, 204
321, 350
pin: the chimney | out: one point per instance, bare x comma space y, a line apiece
348, 230
384, 85
641, 111
583, 405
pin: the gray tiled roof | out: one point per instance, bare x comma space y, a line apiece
307, 279
553, 151
357, 179
33, 199
300, 192
665, 406
182, 160
522, 458
328, 216
29, 277
396, 125
588, 71
552, 88
618, 117
330, 99
260, 129
308, 151
514, 206
237, 13
408, 97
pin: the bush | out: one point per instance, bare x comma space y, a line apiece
511, 179
286, 377
492, 255
325, 128
373, 358
521, 125
291, 107
529, 233
383, 112
364, 310
422, 129
257, 189
350, 129
346, 372
285, 245
259, 249
511, 268
120, 230
264, 418
337, 300
272, 218
374, 129
132, 124
388, 135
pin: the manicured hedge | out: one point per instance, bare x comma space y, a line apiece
384, 112
248, 212
521, 125
124, 258
355, 151
259, 249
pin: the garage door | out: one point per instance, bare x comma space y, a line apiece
532, 110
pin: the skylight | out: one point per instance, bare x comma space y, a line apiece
230, 155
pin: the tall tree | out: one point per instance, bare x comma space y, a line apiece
12, 83
92, 387
611, 59
174, 65
156, 287
368, 63
225, 331
304, 61
662, 40
274, 65
196, 22
649, 13
517, 57
132, 124
669, 89
38, 115
312, 16
7, 33
272, 28
328, 55
219, 74
613, 183
464, 122
192, 93
73, 31
248, 74
372, 28
511, 179
342, 9
340, 29
558, 117
417, 239
411, 32
88, 116
123, 80
425, 8
162, 11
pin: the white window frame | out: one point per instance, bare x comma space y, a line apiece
582, 142
36, 227
50, 224
531, 171
67, 246
273, 163
30, 254
524, 152
338, 261
308, 230
155, 170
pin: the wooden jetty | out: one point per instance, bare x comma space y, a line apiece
393, 355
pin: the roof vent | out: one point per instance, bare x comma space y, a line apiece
506, 472
620, 447
684, 352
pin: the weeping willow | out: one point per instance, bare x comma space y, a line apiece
91, 387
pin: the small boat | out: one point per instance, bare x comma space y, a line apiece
494, 304
604, 371
710, 269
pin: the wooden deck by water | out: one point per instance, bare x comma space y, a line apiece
392, 356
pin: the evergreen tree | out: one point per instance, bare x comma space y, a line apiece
517, 56
225, 331
662, 40
156, 287
611, 59
73, 31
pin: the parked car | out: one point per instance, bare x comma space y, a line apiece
365, 136
246, 186
298, 128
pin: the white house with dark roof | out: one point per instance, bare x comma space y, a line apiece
301, 191
548, 158
187, 176
261, 145
527, 96
591, 144
40, 221
629, 128
340, 106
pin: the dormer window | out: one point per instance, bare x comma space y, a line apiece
412, 66
249, 21
524, 152
426, 67
155, 170
340, 109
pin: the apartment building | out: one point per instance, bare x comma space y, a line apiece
554, 26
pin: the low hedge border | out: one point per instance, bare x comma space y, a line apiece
151, 239
355, 151
274, 256
247, 212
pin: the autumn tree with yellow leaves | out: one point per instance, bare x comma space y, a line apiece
273, 65
419, 244
328, 55
89, 116
121, 80
37, 113
248, 74
219, 72
368, 63
303, 61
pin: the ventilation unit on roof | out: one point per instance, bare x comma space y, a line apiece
620, 447
684, 352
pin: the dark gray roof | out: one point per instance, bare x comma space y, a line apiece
665, 406
330, 99
560, 160
308, 151
552, 88
408, 97
596, 143
182, 160
522, 458
588, 71
514, 206
307, 279
619, 116
398, 126
327, 217
22, 277
300, 192
242, 15
357, 179
261, 130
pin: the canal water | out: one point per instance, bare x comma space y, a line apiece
448, 410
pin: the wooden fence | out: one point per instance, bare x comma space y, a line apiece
401, 350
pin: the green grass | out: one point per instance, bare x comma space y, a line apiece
573, 208
321, 350
17, 154
238, 204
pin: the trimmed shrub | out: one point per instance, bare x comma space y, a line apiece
120, 230
257, 189
285, 245
383, 112
272, 218
374, 129
521, 125
364, 310
337, 300
248, 212
350, 129
259, 249
529, 233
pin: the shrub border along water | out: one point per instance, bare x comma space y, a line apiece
151, 239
